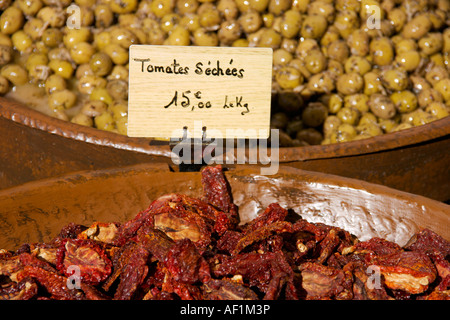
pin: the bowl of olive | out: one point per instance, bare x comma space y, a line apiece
360, 88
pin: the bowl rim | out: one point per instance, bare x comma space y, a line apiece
29, 117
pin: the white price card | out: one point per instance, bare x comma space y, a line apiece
224, 91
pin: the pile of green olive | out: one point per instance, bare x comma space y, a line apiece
342, 69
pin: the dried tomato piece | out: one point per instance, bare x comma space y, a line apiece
119, 260
321, 282
270, 272
262, 233
98, 231
427, 240
94, 264
363, 287
378, 246
226, 289
55, 284
155, 241
23, 290
133, 274
273, 213
27, 259
216, 191
436, 295
410, 271
443, 269
185, 263
318, 230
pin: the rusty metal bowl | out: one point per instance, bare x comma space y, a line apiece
36, 211
36, 146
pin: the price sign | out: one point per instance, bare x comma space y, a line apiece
173, 89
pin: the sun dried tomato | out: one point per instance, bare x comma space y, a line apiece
216, 191
55, 284
25, 289
133, 274
185, 263
427, 240
410, 271
88, 256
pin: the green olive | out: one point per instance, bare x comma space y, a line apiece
291, 23
101, 64
417, 27
349, 83
431, 43
289, 77
104, 121
349, 115
331, 125
345, 132
395, 79
82, 52
358, 42
314, 26
202, 37
104, 16
16, 74
94, 108
123, 6
62, 99
55, 83
421, 117
335, 103
381, 106
82, 119
443, 87
61, 67
369, 129
122, 125
437, 109
382, 51
428, 96
367, 118
321, 83
346, 22
118, 89
357, 64
408, 60
405, 101
101, 94
52, 37
86, 84
11, 20
179, 36
358, 101
315, 62
117, 53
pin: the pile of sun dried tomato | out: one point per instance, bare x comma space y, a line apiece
186, 248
